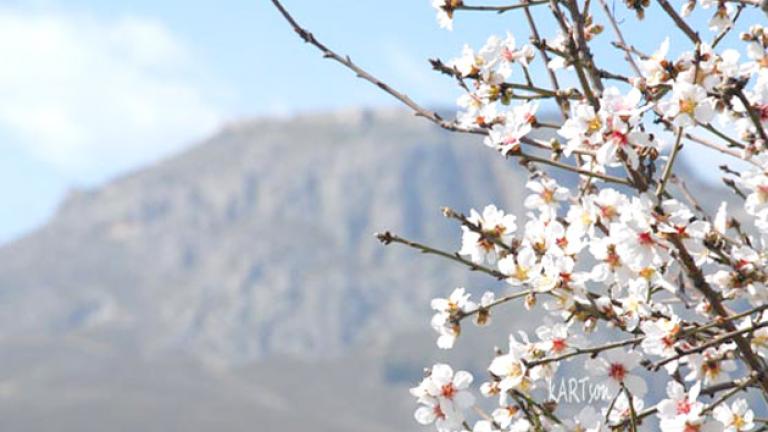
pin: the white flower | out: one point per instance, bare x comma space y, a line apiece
661, 338
555, 339
510, 369
736, 418
507, 137
469, 63
721, 19
678, 402
476, 112
680, 222
759, 339
609, 202
483, 315
637, 244
495, 225
583, 128
445, 10
681, 411
447, 310
614, 367
502, 53
520, 268
458, 301
634, 305
757, 201
559, 273
610, 265
546, 197
688, 106
655, 68
507, 416
711, 366
443, 397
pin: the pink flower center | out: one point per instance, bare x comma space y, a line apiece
558, 345
645, 239
617, 372
683, 407
668, 341
448, 391
619, 138
508, 54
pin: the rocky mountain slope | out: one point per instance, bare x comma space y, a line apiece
232, 285
258, 241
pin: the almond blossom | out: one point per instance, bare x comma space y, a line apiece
614, 369
616, 262
689, 105
444, 321
495, 225
546, 197
444, 397
736, 417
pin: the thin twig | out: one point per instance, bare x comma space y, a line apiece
388, 238
670, 164
679, 21
500, 9
361, 73
617, 31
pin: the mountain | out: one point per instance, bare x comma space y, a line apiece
240, 281
259, 241
238, 286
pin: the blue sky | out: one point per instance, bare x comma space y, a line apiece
92, 89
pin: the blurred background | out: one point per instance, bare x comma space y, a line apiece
189, 200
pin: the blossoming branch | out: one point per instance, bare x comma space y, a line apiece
628, 250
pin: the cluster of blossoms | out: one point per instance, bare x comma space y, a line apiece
637, 260
630, 275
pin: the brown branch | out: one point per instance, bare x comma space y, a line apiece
584, 351
679, 21
727, 337
721, 149
536, 41
500, 9
387, 238
361, 73
670, 164
584, 53
495, 303
574, 55
710, 391
730, 26
739, 93
495, 239
713, 297
577, 170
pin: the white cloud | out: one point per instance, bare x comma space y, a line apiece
94, 98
